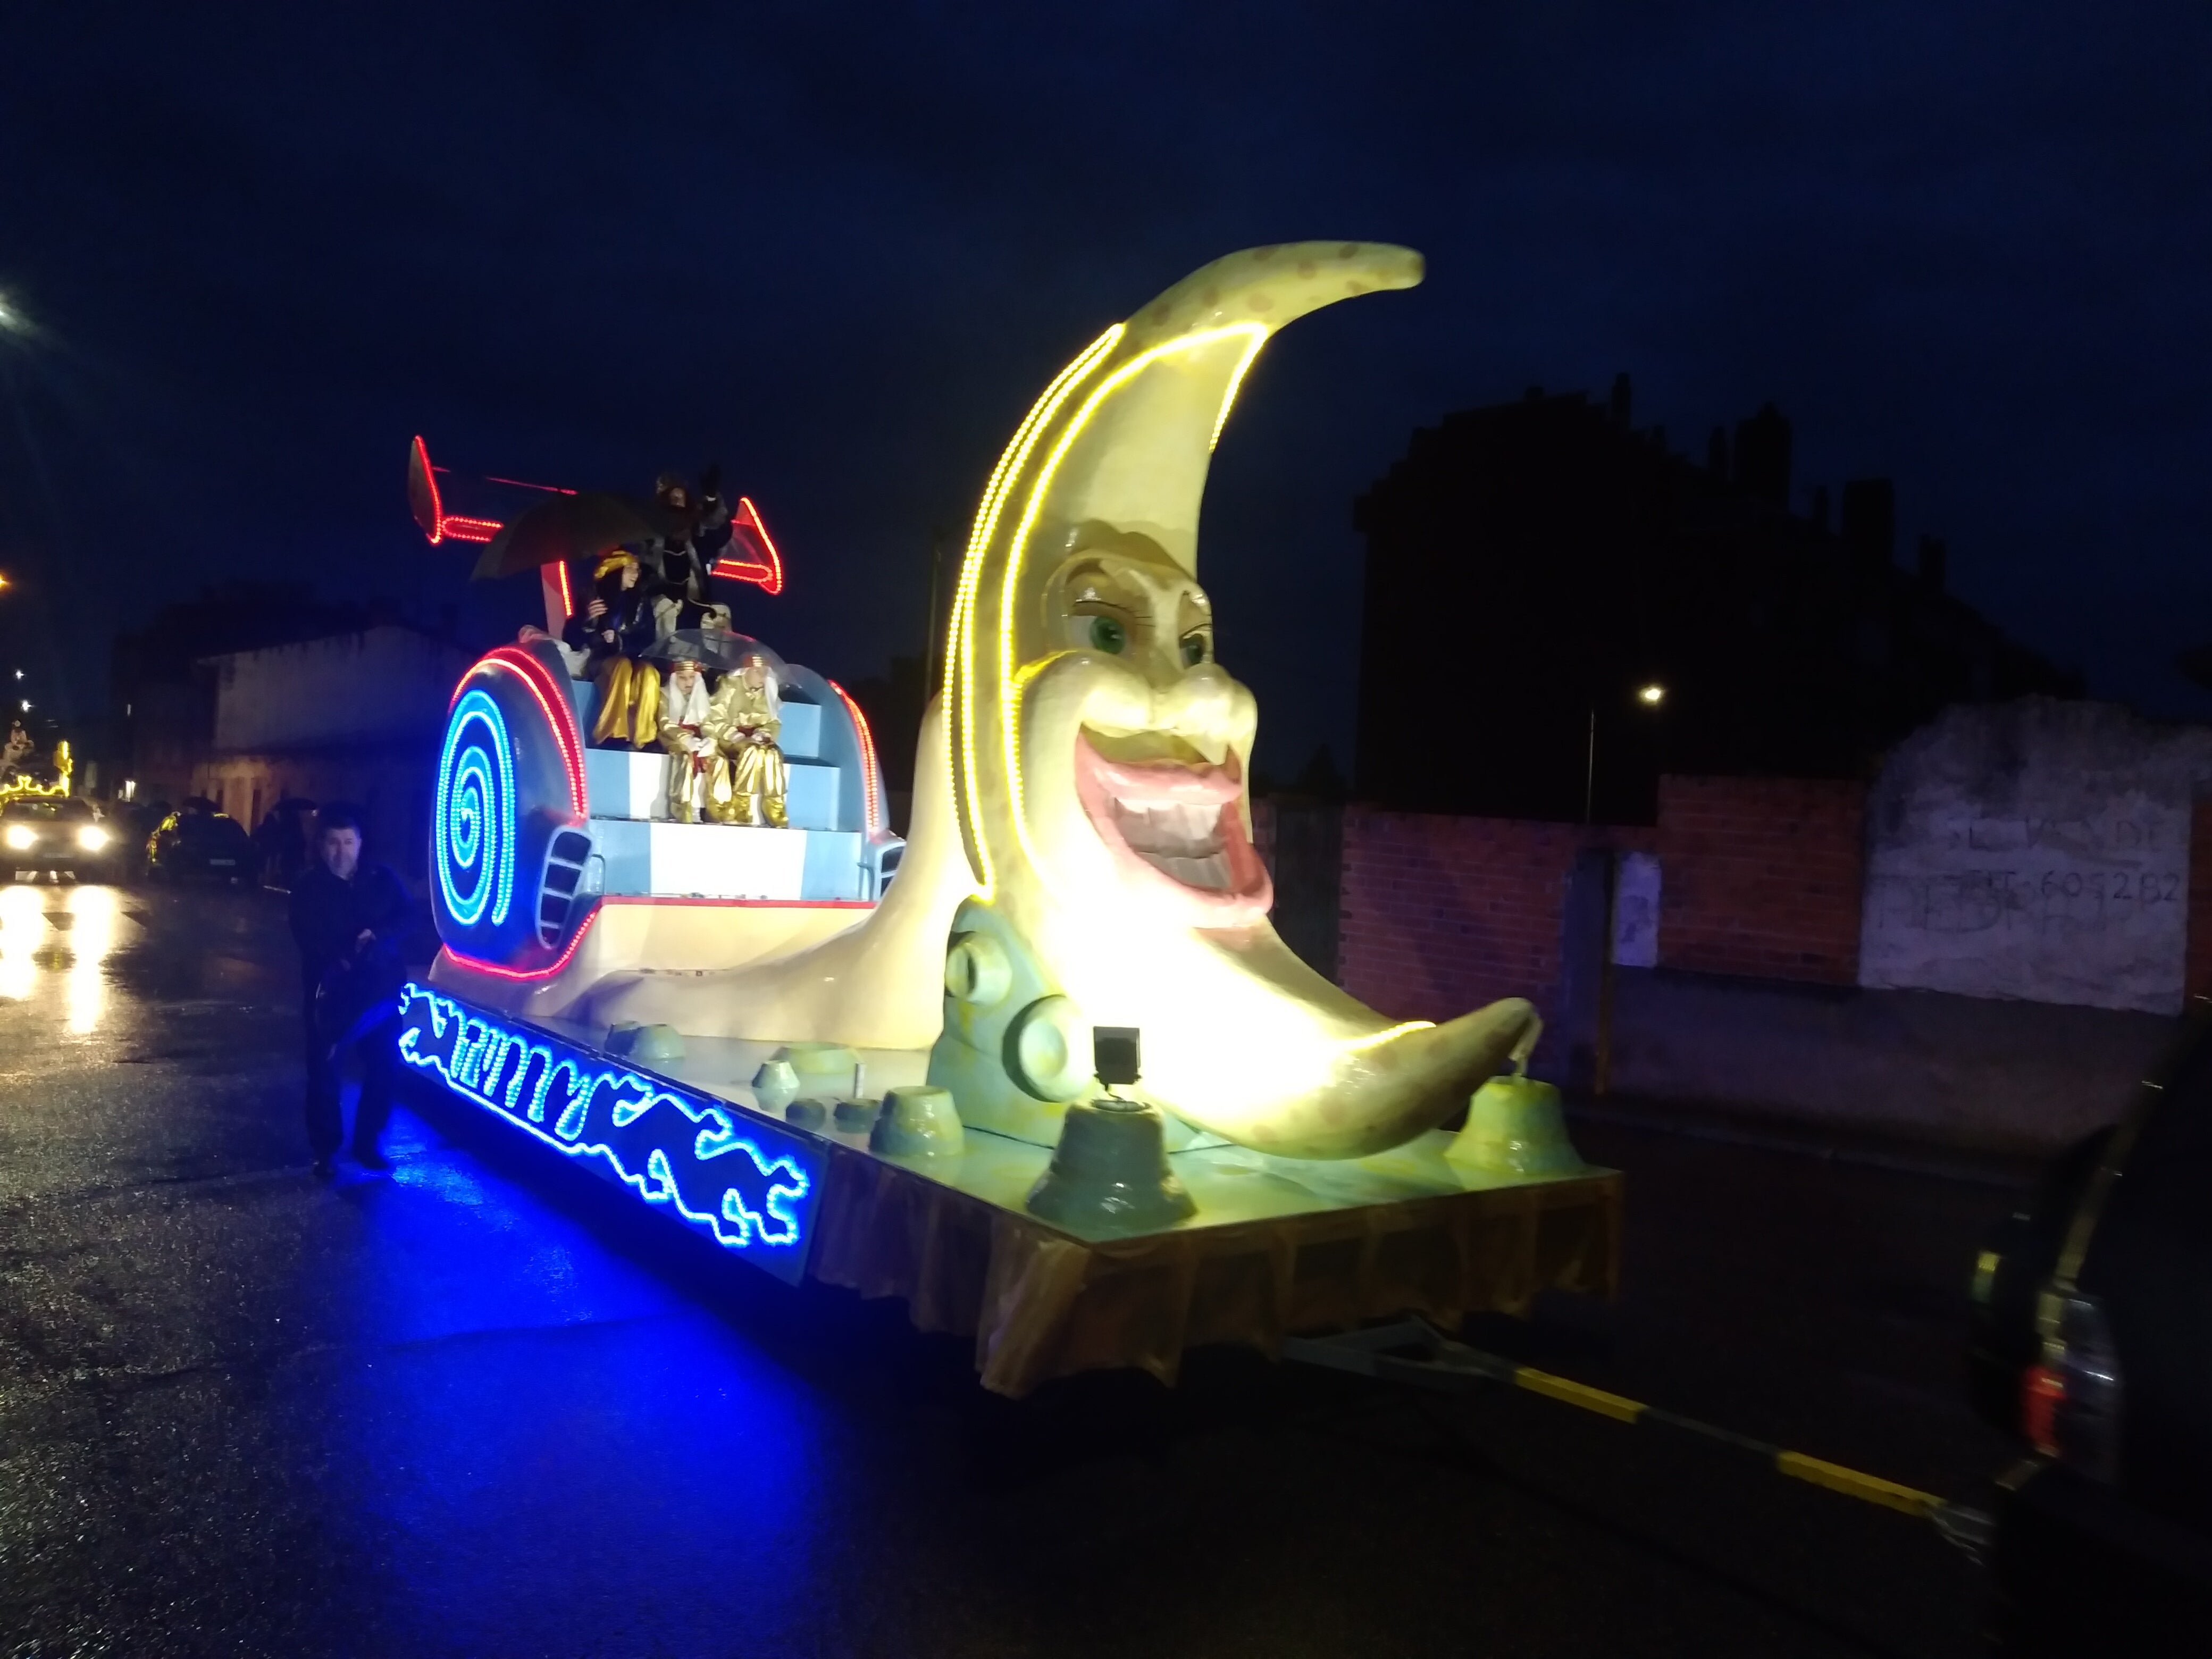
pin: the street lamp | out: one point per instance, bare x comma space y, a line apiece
1650, 695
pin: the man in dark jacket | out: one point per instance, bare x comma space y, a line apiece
679, 563
349, 919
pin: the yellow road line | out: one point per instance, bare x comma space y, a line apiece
1871, 1488
1621, 1410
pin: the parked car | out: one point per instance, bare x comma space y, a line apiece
196, 844
2092, 1340
58, 832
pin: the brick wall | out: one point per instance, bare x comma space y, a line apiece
1762, 877
2196, 957
1759, 877
1443, 914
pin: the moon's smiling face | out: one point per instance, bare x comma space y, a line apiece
1135, 743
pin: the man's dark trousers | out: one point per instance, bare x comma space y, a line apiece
348, 932
378, 1049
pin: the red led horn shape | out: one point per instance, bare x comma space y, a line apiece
765, 569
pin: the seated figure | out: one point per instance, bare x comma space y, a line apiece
697, 774
742, 720
614, 632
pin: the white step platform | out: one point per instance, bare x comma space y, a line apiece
718, 861
622, 783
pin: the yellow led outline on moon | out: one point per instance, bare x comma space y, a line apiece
1229, 396
1009, 700
1010, 461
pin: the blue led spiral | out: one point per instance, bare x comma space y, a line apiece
475, 827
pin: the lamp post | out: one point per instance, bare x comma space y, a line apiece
1650, 695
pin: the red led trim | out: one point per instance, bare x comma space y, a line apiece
768, 577
467, 530
524, 483
568, 954
430, 477
741, 904
566, 732
867, 751
559, 963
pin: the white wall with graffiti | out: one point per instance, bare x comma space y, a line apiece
2035, 849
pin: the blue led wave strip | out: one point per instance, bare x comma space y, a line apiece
673, 1150
475, 811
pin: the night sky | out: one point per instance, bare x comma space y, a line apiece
841, 248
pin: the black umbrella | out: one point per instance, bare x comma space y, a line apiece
582, 525
714, 648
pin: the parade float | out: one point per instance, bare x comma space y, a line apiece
1043, 1068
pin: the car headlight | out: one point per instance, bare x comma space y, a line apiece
92, 838
21, 836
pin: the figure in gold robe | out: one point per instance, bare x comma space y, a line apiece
614, 631
695, 767
743, 720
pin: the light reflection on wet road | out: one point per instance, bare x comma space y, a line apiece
65, 931
445, 1414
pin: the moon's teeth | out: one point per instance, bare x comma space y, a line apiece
1180, 840
1169, 828
1211, 872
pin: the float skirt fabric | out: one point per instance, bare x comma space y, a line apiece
1042, 1304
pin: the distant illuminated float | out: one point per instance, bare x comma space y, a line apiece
1080, 863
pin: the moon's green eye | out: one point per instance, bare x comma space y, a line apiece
1196, 649
1107, 634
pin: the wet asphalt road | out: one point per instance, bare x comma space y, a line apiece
459, 1411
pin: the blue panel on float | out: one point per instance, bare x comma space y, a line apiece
833, 865
810, 794
800, 736
750, 1185
584, 694
626, 845
619, 783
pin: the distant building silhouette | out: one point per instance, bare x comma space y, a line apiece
1532, 565
255, 693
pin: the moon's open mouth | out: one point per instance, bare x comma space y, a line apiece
1174, 827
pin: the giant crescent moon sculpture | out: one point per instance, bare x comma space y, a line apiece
1082, 827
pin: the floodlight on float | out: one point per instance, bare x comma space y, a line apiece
1652, 695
